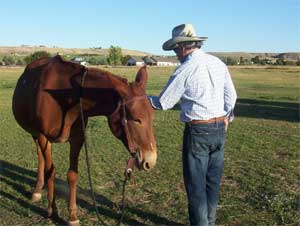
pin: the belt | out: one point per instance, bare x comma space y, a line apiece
209, 121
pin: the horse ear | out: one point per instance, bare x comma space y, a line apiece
141, 77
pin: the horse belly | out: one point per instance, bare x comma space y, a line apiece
23, 106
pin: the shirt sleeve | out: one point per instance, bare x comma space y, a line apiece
230, 96
171, 93
154, 101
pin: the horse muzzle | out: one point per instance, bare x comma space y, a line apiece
145, 160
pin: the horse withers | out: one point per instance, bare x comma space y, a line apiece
47, 103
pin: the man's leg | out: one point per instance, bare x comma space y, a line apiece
214, 174
195, 162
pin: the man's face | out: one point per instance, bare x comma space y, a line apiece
180, 53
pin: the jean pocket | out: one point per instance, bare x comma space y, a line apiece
200, 144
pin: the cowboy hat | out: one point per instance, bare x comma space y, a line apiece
182, 33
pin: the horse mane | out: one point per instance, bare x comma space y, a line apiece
39, 62
109, 75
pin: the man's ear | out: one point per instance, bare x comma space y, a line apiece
141, 78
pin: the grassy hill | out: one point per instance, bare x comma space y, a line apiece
236, 55
26, 50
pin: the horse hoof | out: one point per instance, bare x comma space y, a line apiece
73, 223
36, 197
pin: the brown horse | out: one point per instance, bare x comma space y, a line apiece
47, 103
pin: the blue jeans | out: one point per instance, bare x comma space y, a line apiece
203, 158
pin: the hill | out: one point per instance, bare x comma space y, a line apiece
26, 50
293, 56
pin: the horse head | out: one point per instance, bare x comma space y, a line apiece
132, 121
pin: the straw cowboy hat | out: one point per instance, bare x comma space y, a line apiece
182, 33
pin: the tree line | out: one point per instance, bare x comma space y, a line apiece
258, 61
115, 57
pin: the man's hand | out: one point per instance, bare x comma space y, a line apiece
226, 121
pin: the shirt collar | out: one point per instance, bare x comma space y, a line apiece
196, 52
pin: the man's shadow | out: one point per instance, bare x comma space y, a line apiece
15, 176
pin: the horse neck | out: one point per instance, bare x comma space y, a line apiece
101, 93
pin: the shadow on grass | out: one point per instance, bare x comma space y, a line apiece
274, 110
15, 176
252, 108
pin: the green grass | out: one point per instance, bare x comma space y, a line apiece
261, 180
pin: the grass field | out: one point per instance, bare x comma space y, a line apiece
261, 180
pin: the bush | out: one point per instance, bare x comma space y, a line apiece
9, 60
36, 55
97, 60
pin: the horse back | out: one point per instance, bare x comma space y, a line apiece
34, 106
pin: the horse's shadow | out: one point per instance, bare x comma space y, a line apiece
15, 176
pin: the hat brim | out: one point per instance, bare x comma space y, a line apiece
169, 45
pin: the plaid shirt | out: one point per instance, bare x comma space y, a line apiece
204, 86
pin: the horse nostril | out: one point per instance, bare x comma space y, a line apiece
146, 166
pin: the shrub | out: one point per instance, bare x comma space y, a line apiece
9, 60
36, 55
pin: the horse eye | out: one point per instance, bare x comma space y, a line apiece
137, 121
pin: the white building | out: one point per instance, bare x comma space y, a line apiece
79, 60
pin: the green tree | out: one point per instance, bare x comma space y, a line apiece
115, 55
256, 60
242, 61
36, 55
125, 59
20, 62
9, 60
280, 62
231, 61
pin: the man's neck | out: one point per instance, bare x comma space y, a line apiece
186, 53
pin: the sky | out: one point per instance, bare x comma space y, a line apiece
230, 25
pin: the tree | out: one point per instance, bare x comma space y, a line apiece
256, 60
9, 60
242, 61
280, 62
115, 55
125, 59
36, 55
231, 61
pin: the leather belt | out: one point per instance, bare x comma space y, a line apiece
209, 121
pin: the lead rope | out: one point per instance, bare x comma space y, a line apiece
89, 171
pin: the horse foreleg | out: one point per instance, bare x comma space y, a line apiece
45, 146
76, 141
37, 193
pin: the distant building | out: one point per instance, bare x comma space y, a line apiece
166, 61
79, 60
152, 61
135, 61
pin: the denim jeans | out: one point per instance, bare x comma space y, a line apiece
203, 158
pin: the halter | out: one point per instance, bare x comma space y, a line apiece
122, 103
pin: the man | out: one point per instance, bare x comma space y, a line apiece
203, 84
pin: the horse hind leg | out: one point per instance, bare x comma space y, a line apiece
37, 193
49, 173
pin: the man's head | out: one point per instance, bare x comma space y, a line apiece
184, 40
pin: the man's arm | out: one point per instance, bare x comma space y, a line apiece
171, 94
230, 97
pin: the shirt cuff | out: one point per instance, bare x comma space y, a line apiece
155, 102
230, 115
